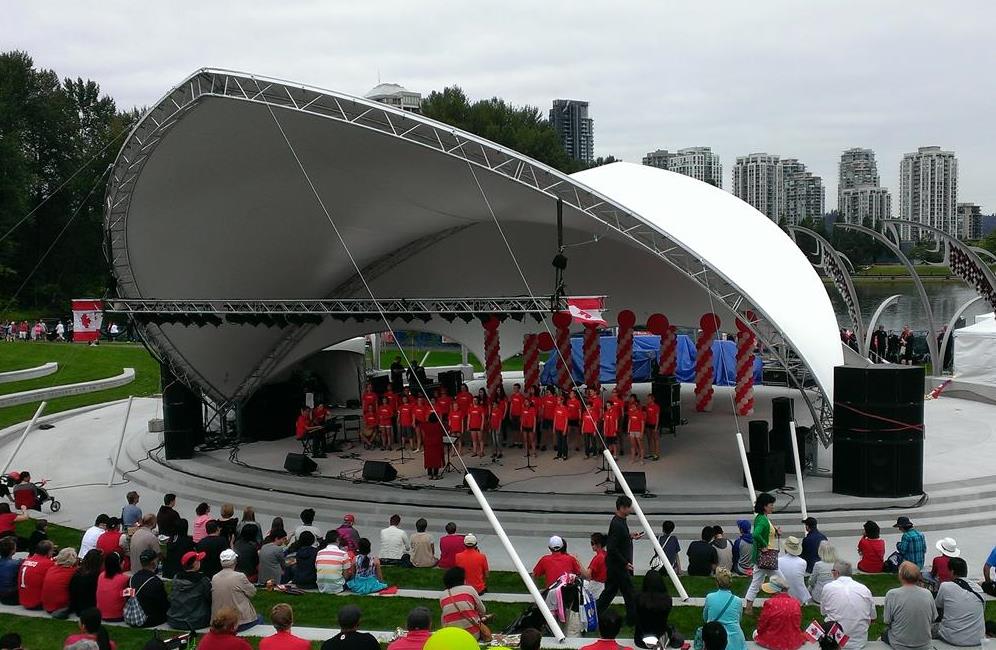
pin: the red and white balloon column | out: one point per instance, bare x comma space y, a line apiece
492, 356
624, 353
562, 323
746, 341
592, 356
709, 325
530, 359
658, 324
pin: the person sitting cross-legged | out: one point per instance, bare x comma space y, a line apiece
909, 611
419, 627
349, 636
282, 617
849, 603
609, 625
961, 608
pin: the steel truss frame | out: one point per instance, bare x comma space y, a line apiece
420, 131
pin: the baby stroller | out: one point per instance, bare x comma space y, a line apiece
571, 603
32, 500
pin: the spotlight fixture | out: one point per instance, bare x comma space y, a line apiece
560, 262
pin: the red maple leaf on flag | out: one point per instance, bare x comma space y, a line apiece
85, 321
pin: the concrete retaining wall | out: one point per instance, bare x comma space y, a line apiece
29, 373
25, 397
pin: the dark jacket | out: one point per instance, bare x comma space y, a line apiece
305, 573
166, 520
151, 596
190, 602
82, 592
248, 562
175, 550
212, 545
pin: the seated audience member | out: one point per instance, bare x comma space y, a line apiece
111, 584
671, 546
167, 517
55, 587
702, 555
724, 549
653, 607
349, 537
143, 539
423, 546
911, 547
277, 524
223, 632
474, 563
333, 566
779, 626
811, 543
395, 548
305, 571
529, 639
212, 546
793, 569
822, 572
9, 569
556, 563
461, 604
743, 565
178, 545
609, 624
131, 514
349, 636
249, 520
909, 611
367, 577
11, 641
248, 553
32, 576
91, 629
282, 618
939, 572
273, 559
988, 585
231, 589
961, 608
714, 636
596, 573
871, 549
38, 534
190, 598
449, 545
849, 603
203, 512
228, 523
110, 541
725, 608
92, 534
150, 590
83, 584
418, 629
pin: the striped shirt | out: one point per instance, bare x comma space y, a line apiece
331, 563
462, 608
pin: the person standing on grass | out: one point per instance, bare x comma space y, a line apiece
619, 561
764, 505
282, 617
349, 636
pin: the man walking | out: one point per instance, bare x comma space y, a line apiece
619, 561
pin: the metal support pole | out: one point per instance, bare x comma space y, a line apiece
551, 622
743, 460
375, 350
24, 435
798, 469
463, 354
646, 524
124, 427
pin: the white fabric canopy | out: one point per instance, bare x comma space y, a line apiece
975, 353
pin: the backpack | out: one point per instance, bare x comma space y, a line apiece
134, 615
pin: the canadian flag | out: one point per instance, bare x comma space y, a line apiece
587, 310
88, 315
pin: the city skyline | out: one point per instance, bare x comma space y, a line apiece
869, 83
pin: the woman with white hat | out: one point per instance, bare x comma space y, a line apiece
939, 571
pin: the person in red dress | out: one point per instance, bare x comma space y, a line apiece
780, 624
560, 422
527, 425
385, 422
635, 420
653, 419
432, 446
475, 422
496, 423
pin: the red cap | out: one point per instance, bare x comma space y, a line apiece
349, 519
189, 557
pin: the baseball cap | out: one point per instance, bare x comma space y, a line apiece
349, 518
228, 555
148, 555
190, 556
555, 543
470, 540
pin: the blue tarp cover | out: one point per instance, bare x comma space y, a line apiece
647, 348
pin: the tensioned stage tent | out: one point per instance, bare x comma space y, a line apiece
214, 198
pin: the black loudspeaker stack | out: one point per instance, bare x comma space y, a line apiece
450, 381
378, 470
637, 482
485, 478
299, 464
758, 437
782, 413
766, 464
878, 431
667, 393
380, 383
183, 417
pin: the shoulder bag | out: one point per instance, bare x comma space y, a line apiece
698, 644
768, 558
484, 633
964, 585
134, 615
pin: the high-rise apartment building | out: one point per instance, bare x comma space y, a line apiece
804, 193
569, 117
759, 180
395, 95
857, 168
928, 191
969, 221
860, 199
698, 162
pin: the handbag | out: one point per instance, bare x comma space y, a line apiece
484, 632
698, 643
134, 615
768, 560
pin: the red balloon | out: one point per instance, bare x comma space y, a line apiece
545, 342
626, 318
709, 322
492, 323
562, 319
658, 324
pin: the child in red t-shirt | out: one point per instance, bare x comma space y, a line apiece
475, 423
385, 422
455, 420
610, 428
499, 406
547, 406
406, 423
588, 432
527, 425
560, 422
574, 420
442, 402
515, 402
634, 426
653, 419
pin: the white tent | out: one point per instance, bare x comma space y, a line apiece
975, 353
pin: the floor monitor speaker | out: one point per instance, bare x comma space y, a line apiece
637, 482
179, 444
379, 470
485, 478
299, 464
767, 470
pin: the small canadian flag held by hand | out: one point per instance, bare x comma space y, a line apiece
814, 632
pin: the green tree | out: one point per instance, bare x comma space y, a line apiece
989, 243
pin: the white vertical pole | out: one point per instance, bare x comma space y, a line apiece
798, 469
743, 461
551, 622
463, 354
24, 435
124, 427
646, 524
375, 350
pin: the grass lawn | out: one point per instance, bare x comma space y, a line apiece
448, 358
76, 363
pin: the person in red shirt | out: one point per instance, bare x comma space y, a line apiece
418, 631
222, 635
596, 573
8, 519
653, 419
306, 428
449, 545
635, 420
464, 399
574, 408
588, 431
369, 398
780, 624
515, 402
111, 584
555, 564
110, 540
282, 617
91, 629
527, 425
369, 415
455, 423
609, 625
55, 587
871, 549
421, 412
443, 402
496, 423
385, 422
406, 424
560, 422
548, 406
597, 404
31, 575
474, 563
475, 422
610, 428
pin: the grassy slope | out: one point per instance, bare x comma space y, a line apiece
449, 358
76, 363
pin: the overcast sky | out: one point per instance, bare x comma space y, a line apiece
798, 79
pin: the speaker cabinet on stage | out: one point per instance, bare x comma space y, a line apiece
299, 464
878, 431
760, 441
380, 383
179, 445
183, 417
271, 412
767, 470
450, 381
637, 482
782, 412
667, 393
485, 478
378, 470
